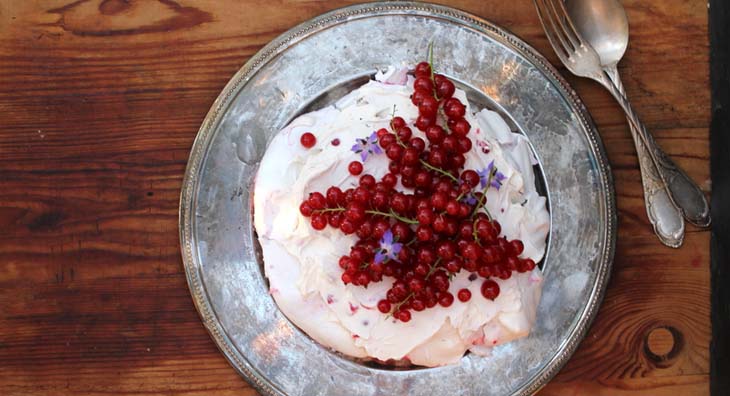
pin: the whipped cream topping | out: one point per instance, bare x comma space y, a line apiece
302, 263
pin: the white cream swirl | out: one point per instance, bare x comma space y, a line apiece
302, 264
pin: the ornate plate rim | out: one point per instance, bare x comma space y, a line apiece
342, 15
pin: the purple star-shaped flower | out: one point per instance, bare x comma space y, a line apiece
498, 179
469, 199
388, 248
367, 146
491, 175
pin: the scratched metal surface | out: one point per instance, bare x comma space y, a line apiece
307, 67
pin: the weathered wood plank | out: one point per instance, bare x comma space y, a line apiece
100, 103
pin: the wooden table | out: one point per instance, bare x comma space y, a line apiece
99, 104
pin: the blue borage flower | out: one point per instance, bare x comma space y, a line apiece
367, 146
389, 249
469, 199
491, 175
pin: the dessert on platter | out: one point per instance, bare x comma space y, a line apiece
401, 225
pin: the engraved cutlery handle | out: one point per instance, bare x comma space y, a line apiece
684, 192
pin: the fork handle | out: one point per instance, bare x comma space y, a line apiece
663, 214
684, 192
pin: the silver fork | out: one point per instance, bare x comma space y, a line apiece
582, 60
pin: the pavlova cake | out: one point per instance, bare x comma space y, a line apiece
401, 225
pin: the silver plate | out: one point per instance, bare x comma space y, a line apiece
307, 67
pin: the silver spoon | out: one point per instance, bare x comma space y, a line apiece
603, 23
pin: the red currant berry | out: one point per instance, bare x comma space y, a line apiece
346, 278
418, 144
387, 140
461, 127
429, 106
319, 221
308, 140
440, 281
305, 209
454, 108
425, 216
446, 250
361, 195
394, 167
424, 233
489, 255
384, 306
355, 212
335, 220
355, 168
408, 181
439, 224
423, 179
471, 251
404, 134
452, 227
423, 69
450, 144
423, 122
381, 132
516, 247
398, 122
403, 315
418, 305
394, 152
401, 231
471, 265
425, 255
446, 299
464, 295
399, 202
490, 289
416, 284
410, 156
365, 230
452, 207
457, 161
437, 158
470, 177
453, 265
463, 145
317, 200
335, 196
347, 227
380, 200
423, 84
418, 96
367, 181
435, 134
421, 269
445, 89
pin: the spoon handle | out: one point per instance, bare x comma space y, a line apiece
684, 192
663, 214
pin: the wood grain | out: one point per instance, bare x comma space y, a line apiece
100, 103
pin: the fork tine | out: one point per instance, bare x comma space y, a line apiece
571, 27
559, 43
560, 16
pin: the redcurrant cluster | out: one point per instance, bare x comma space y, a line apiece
420, 239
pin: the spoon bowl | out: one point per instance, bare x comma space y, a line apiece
603, 23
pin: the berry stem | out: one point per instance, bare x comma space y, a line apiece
430, 58
326, 210
400, 304
393, 215
433, 268
483, 198
438, 170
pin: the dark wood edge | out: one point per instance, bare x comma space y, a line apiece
719, 23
